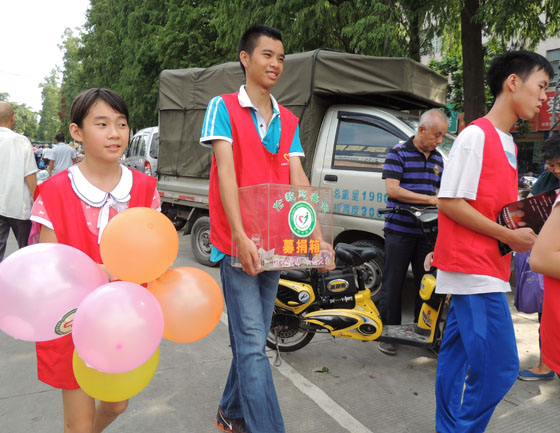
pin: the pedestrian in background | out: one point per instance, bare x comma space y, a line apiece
47, 155
38, 153
63, 156
17, 181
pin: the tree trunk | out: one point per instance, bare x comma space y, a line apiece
414, 32
473, 62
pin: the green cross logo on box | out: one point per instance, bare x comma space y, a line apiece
302, 219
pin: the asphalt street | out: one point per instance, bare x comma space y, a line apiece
329, 386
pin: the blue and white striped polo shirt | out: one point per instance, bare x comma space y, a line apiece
416, 173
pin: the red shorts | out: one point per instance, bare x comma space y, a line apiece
54, 362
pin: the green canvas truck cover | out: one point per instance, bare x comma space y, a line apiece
311, 82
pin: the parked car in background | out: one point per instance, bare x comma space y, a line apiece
142, 152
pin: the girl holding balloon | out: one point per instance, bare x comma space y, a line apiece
73, 208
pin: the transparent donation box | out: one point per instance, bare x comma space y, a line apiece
292, 226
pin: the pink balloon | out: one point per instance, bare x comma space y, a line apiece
118, 327
40, 288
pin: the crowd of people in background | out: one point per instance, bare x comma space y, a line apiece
48, 158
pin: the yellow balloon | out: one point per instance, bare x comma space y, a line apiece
114, 386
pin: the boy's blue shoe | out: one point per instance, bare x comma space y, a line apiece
529, 375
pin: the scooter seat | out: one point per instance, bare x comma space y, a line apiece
429, 216
354, 255
295, 274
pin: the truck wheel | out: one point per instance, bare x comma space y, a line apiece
373, 268
200, 241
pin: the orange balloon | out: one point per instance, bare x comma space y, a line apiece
139, 244
191, 301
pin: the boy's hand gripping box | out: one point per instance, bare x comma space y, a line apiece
290, 225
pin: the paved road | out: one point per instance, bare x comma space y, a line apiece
363, 391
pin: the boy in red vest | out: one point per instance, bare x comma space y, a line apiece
478, 361
254, 141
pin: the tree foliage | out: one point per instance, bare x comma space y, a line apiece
26, 121
50, 123
25, 117
72, 74
504, 24
125, 44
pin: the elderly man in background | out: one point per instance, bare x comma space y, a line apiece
17, 181
412, 174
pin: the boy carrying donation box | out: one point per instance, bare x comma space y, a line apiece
291, 225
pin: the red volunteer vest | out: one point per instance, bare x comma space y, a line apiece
459, 249
254, 164
64, 208
550, 323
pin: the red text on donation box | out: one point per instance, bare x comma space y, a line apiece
291, 225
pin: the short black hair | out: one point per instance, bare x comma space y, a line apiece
249, 39
86, 99
521, 63
551, 148
59, 137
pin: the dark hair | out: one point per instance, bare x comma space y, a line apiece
86, 99
59, 137
250, 37
521, 63
551, 148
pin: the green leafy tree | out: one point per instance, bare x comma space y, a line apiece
125, 44
507, 24
373, 27
188, 36
25, 118
26, 121
50, 123
72, 74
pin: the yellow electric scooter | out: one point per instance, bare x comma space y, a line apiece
338, 302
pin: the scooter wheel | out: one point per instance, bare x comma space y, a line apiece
286, 334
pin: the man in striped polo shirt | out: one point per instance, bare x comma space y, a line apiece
412, 174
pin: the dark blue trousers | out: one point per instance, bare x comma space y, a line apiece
21, 229
400, 252
477, 363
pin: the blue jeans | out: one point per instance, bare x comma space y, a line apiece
479, 341
249, 391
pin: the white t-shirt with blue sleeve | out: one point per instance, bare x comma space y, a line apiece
217, 126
